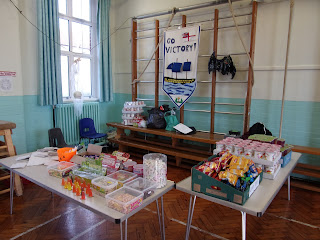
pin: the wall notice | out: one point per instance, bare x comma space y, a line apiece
6, 81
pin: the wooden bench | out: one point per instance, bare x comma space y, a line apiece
171, 143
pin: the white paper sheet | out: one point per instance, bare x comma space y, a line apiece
38, 158
23, 157
183, 128
19, 165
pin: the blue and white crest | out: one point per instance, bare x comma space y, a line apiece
181, 48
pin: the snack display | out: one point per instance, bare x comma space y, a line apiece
131, 113
248, 148
61, 169
122, 177
103, 185
138, 169
142, 185
237, 171
124, 200
155, 168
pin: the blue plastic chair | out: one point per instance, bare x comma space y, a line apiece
87, 129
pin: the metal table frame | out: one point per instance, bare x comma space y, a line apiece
38, 174
256, 205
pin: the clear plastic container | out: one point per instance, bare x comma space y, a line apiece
122, 177
142, 185
155, 168
61, 169
138, 169
128, 166
124, 200
103, 185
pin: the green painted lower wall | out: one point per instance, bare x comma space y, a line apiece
300, 124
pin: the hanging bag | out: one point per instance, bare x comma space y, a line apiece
171, 120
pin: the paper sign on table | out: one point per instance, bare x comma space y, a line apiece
19, 165
183, 128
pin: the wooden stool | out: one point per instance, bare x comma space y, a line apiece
7, 149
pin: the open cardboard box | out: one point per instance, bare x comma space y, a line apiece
91, 150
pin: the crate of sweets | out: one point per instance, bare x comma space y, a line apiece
122, 177
227, 177
124, 200
103, 185
61, 169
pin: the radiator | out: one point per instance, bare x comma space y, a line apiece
69, 122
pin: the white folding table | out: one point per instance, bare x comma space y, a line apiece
256, 205
39, 175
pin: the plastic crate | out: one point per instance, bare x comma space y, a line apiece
103, 185
124, 200
61, 169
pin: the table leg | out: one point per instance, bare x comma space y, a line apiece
190, 214
289, 187
163, 226
12, 175
160, 225
126, 229
121, 235
244, 222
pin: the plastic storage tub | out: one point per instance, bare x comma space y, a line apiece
61, 169
142, 185
124, 200
103, 185
122, 177
128, 166
155, 168
138, 169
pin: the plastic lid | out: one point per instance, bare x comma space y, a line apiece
141, 184
62, 166
122, 176
104, 182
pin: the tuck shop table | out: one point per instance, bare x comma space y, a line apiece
39, 175
256, 205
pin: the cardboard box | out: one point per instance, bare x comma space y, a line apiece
203, 183
91, 150
286, 159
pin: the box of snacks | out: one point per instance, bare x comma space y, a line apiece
228, 177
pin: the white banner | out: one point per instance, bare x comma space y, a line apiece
181, 48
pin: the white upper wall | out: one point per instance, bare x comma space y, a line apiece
271, 39
10, 46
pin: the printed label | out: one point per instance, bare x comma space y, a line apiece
254, 185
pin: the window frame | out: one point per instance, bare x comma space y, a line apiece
93, 56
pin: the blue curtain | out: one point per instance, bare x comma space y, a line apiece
104, 51
49, 53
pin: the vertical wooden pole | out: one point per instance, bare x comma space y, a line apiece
156, 67
184, 24
134, 69
214, 74
250, 72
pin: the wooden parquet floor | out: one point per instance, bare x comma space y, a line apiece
39, 216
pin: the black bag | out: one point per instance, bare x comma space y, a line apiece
156, 119
257, 128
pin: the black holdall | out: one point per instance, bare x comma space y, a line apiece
156, 117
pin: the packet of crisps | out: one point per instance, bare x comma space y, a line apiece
232, 178
238, 172
225, 160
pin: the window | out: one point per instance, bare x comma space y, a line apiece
77, 20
